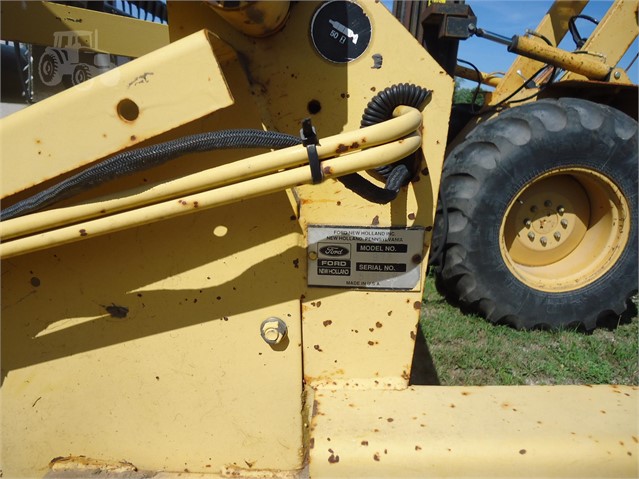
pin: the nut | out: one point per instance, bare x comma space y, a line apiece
273, 330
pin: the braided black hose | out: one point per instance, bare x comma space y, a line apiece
397, 174
141, 159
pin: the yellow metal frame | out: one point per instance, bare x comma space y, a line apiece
143, 345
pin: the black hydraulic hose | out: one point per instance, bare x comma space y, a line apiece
141, 159
397, 174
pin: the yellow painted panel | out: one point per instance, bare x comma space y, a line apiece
143, 98
37, 22
490, 431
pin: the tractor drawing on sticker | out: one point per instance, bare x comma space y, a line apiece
72, 56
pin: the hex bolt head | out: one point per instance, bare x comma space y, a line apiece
557, 235
617, 75
531, 235
561, 210
273, 330
564, 223
543, 240
527, 223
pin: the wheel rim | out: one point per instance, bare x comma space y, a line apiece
565, 229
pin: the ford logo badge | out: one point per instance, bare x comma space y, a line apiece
333, 250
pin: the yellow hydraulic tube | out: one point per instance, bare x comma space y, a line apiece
582, 64
406, 120
357, 161
470, 74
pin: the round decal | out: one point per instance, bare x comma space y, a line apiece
340, 31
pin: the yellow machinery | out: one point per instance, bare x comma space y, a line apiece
234, 314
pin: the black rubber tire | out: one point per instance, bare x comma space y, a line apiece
49, 69
481, 177
81, 73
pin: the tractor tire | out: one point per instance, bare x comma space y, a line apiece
541, 207
49, 69
81, 73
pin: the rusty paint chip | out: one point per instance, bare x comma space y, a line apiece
418, 448
417, 304
116, 311
375, 221
378, 324
364, 443
316, 347
376, 456
328, 322
83, 232
522, 451
341, 148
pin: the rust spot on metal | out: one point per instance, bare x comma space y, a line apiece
452, 406
411, 216
339, 203
390, 313
35, 282
602, 411
371, 343
465, 393
354, 145
319, 303
375, 221
418, 448
83, 232
182, 202
327, 170
522, 451
635, 439
328, 322
296, 263
412, 335
390, 419
196, 204
371, 329
364, 443
378, 324
417, 304
333, 458
316, 347
311, 443
133, 137
249, 463
341, 148
373, 88
376, 456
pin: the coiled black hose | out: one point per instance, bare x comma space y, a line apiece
141, 159
397, 174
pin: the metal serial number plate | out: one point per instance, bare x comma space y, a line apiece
365, 258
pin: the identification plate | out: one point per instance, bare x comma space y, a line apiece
365, 258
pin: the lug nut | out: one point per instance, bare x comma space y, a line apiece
273, 330
527, 223
557, 235
531, 236
543, 241
561, 210
564, 223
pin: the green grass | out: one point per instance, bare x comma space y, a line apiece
467, 350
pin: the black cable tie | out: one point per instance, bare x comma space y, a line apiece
310, 141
